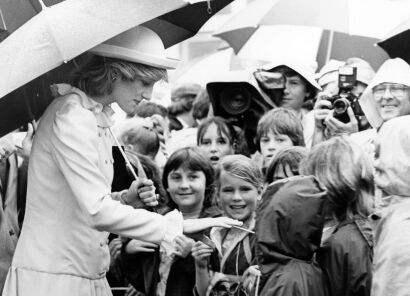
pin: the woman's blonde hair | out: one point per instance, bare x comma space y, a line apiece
98, 74
346, 172
240, 167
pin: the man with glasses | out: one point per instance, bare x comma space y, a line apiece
387, 100
392, 99
388, 94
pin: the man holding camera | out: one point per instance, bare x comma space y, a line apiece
337, 110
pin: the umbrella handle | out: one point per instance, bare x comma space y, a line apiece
127, 162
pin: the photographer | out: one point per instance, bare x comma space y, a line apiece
291, 84
328, 122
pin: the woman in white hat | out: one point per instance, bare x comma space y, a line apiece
70, 208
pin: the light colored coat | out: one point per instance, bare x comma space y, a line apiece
391, 263
63, 247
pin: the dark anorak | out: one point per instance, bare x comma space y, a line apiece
289, 226
346, 257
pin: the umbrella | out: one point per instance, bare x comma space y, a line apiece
14, 13
353, 17
397, 42
183, 23
59, 33
63, 31
311, 43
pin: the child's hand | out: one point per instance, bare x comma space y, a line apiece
138, 246
201, 253
183, 245
249, 278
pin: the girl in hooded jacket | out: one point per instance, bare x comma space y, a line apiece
221, 262
347, 247
289, 228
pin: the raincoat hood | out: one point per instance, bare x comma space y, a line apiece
290, 221
392, 71
393, 157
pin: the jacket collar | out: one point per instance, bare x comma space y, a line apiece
103, 114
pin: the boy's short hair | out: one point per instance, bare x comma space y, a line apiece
281, 121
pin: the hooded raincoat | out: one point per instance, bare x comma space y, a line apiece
289, 227
391, 274
392, 71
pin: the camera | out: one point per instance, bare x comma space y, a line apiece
345, 98
238, 99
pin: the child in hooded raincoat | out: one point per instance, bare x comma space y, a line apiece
288, 232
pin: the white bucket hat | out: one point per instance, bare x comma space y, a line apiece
392, 71
303, 68
329, 72
139, 45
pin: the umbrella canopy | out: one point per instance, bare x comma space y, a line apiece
183, 23
270, 43
397, 42
371, 18
14, 13
210, 67
59, 33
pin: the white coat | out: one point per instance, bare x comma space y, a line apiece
63, 247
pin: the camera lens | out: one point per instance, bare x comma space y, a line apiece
340, 105
235, 100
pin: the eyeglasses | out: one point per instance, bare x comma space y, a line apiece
396, 90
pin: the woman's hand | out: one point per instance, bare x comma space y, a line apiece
201, 253
141, 194
183, 245
225, 222
195, 225
137, 246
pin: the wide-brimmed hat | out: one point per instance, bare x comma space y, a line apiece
138, 45
392, 71
304, 68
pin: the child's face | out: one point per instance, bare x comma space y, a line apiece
237, 197
187, 189
215, 144
271, 143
